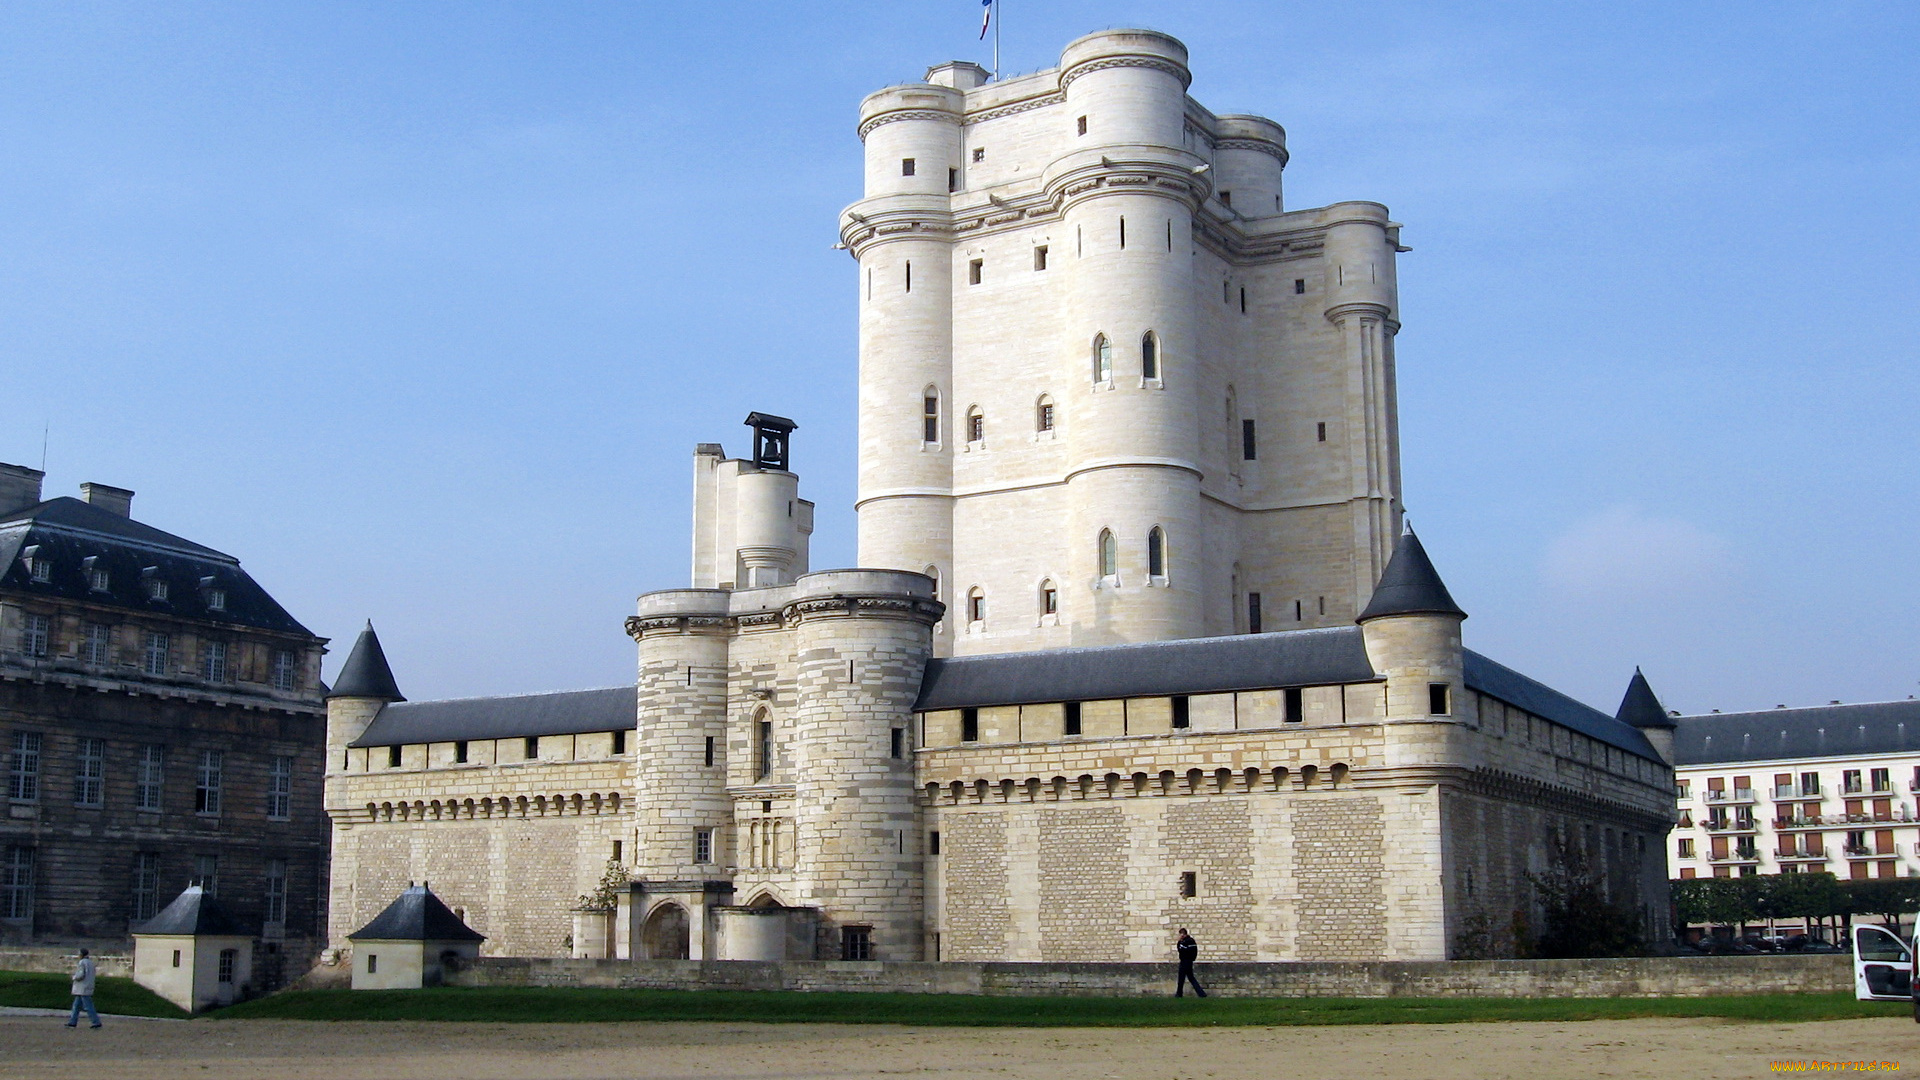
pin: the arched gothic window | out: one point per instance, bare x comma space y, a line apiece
1049, 598
976, 605
1043, 414
1149, 356
1102, 359
1109, 554
1156, 553
976, 425
934, 573
762, 745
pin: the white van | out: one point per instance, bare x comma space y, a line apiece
1882, 966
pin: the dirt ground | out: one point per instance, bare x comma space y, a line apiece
297, 1050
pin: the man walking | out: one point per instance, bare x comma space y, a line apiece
1188, 949
83, 991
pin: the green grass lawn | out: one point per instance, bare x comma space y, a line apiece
41, 990
955, 1010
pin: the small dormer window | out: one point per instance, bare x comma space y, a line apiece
156, 585
216, 599
42, 569
97, 577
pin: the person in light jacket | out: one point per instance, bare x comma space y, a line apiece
83, 991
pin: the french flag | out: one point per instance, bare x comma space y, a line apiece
986, 17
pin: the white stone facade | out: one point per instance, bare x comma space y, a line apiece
1013, 232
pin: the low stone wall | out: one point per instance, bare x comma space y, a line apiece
60, 959
1661, 976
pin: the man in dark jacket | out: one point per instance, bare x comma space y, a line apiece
1188, 949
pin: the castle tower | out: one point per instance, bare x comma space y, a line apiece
1412, 633
364, 687
1111, 389
1641, 708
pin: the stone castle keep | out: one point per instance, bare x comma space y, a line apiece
1137, 641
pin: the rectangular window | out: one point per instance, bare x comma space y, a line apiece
974, 269
1850, 781
38, 637
98, 580
227, 959
1081, 124
42, 568
373, 963
1249, 445
532, 747
155, 660
710, 746
97, 649
146, 885
1123, 234
896, 743
285, 670
1253, 613
206, 783
763, 749
1810, 782
216, 599
148, 777
1686, 849
16, 884
856, 943
280, 789
619, 849
460, 752
1882, 779
1243, 299
930, 420
276, 891
156, 588
1049, 596
1182, 712
1071, 718
909, 275
976, 428
1299, 286
1437, 699
1320, 431
953, 179
619, 743
206, 873
703, 846
906, 166
1296, 704
1190, 884
933, 842
23, 767
393, 757
1046, 416
979, 154
969, 725
1040, 257
213, 661
1226, 199
90, 772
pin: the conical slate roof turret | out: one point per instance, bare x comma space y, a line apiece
417, 915
1410, 585
1641, 708
366, 674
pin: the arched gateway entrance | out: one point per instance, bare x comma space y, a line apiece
665, 933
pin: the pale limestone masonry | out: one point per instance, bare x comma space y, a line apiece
991, 746
1082, 303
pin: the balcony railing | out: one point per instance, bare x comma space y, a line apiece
1856, 851
1731, 825
1816, 854
1783, 792
1737, 855
1737, 795
1830, 821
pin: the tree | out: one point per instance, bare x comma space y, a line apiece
1578, 916
1888, 898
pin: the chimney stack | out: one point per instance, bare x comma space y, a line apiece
19, 487
111, 499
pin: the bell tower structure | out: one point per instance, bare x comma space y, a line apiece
1111, 389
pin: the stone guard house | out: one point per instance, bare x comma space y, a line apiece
1138, 640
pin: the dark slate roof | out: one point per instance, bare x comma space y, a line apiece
1152, 669
68, 532
1410, 585
366, 674
569, 712
1497, 680
417, 915
193, 912
1883, 727
1640, 707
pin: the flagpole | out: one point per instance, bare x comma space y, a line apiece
996, 38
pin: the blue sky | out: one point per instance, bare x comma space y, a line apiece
420, 308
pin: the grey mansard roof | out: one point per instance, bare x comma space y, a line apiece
569, 712
1883, 727
417, 915
69, 532
1151, 669
1498, 680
